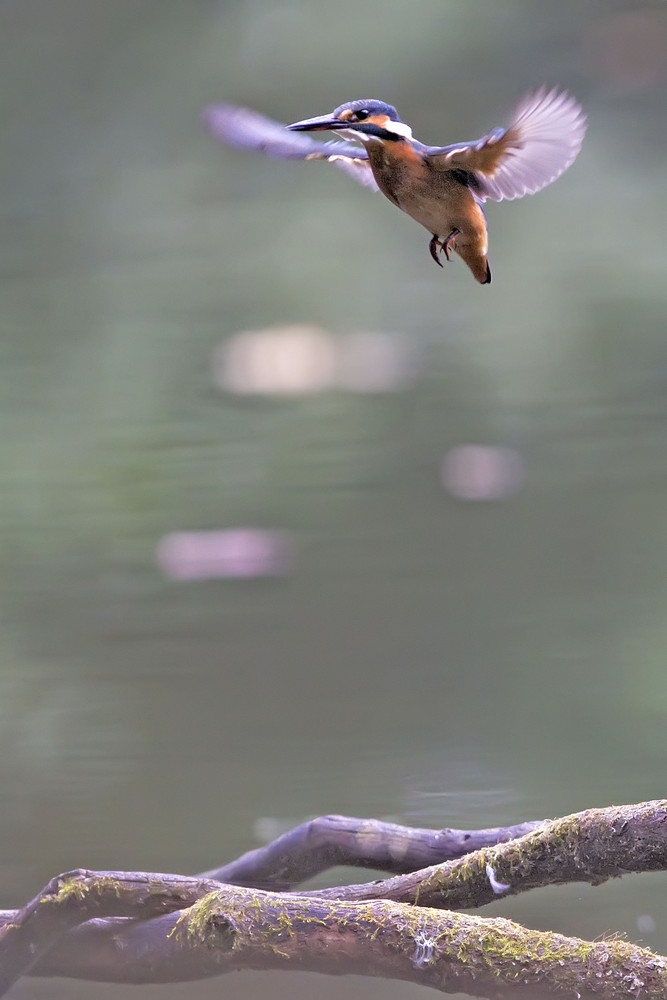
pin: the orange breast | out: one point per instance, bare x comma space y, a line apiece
396, 167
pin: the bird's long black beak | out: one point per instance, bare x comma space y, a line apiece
321, 123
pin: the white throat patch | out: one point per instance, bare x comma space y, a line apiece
400, 128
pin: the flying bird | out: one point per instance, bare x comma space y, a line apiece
441, 187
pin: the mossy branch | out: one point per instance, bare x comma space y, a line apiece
191, 928
590, 846
75, 897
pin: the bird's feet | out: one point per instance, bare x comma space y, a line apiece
443, 244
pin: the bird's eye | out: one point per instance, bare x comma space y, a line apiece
360, 115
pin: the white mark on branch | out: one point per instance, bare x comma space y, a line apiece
498, 887
424, 951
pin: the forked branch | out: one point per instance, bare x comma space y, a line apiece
191, 928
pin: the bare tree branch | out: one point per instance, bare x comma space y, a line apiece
328, 841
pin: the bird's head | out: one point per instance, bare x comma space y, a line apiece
363, 120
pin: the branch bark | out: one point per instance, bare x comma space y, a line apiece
329, 841
398, 929
590, 846
70, 900
238, 928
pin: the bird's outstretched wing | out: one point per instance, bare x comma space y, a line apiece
543, 140
245, 129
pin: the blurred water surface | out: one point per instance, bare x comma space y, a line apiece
434, 582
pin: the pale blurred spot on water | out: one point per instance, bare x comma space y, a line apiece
305, 360
646, 924
240, 553
482, 472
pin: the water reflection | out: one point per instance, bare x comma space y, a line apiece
304, 360
482, 472
240, 553
252, 371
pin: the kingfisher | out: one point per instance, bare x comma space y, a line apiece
441, 187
